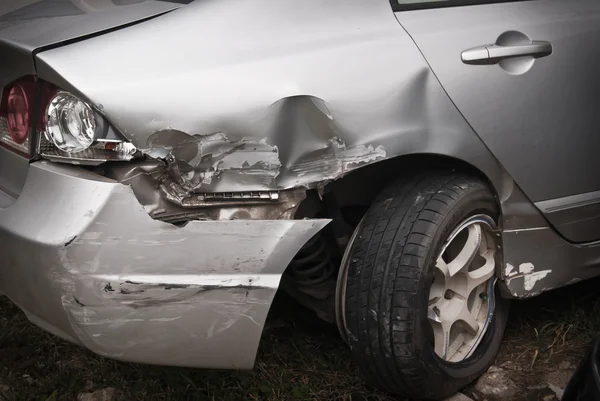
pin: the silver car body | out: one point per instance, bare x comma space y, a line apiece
282, 96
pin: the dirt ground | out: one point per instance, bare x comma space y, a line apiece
546, 339
300, 359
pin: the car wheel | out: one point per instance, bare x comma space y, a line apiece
417, 301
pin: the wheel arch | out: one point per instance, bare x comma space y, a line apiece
364, 183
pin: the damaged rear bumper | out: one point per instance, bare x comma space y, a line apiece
84, 261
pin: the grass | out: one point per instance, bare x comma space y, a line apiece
300, 358
559, 325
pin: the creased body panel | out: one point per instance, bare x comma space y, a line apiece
322, 87
102, 273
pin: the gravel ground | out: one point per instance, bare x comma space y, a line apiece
300, 359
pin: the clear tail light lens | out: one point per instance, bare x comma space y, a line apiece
70, 123
67, 129
71, 131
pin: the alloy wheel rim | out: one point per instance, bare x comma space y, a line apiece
340, 290
461, 297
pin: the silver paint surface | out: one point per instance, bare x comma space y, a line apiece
325, 89
128, 287
27, 26
535, 257
577, 217
538, 116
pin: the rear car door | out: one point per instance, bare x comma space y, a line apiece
526, 76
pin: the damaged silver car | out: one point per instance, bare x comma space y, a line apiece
403, 168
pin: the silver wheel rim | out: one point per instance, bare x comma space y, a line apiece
340, 290
461, 297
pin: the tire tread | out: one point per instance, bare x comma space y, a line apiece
387, 264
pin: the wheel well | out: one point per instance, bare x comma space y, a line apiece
345, 202
359, 188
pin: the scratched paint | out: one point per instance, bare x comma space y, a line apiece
334, 160
527, 272
130, 287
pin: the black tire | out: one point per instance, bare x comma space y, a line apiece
389, 275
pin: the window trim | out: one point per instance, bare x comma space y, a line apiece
445, 4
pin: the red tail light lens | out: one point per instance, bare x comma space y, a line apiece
18, 113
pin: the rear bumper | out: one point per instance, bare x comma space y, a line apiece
84, 261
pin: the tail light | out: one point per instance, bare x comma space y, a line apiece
69, 129
70, 123
16, 116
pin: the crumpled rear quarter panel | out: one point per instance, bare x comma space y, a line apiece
100, 272
317, 88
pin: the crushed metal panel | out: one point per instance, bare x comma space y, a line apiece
195, 162
130, 287
202, 163
318, 96
166, 200
334, 161
220, 277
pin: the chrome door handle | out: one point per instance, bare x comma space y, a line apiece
492, 54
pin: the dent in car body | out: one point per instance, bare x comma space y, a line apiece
104, 277
348, 75
318, 94
165, 199
195, 162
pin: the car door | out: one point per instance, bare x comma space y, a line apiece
526, 76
